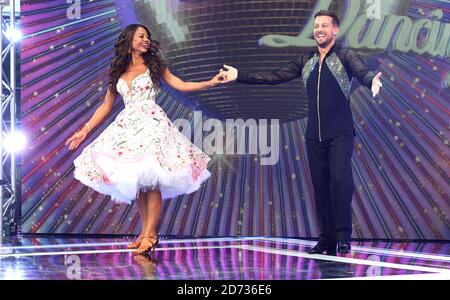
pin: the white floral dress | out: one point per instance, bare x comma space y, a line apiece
141, 150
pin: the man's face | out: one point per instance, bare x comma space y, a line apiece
324, 31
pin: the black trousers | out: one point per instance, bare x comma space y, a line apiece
331, 173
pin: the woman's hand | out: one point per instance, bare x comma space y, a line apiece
76, 139
182, 86
217, 79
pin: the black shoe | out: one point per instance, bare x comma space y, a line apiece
344, 247
319, 248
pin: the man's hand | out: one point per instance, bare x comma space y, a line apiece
230, 73
376, 84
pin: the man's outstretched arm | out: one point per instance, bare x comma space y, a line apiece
362, 73
289, 72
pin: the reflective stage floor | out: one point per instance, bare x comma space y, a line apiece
253, 258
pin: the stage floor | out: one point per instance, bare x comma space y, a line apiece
253, 258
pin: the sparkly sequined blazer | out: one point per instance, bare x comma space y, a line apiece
327, 85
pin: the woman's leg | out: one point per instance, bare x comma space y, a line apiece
142, 210
153, 211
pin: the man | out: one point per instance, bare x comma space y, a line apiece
326, 74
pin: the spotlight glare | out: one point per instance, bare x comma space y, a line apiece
15, 141
13, 34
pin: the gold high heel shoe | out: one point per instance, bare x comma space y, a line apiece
148, 244
136, 243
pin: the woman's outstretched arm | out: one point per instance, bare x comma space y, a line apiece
101, 112
184, 86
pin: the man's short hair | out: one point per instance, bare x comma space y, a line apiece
329, 14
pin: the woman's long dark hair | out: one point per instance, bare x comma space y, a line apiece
122, 57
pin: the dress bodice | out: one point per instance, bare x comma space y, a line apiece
142, 90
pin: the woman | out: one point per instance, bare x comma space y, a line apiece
141, 155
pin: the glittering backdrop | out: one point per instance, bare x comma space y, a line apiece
401, 159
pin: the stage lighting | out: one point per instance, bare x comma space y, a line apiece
13, 34
13, 273
15, 141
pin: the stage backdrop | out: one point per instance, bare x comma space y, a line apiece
401, 157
